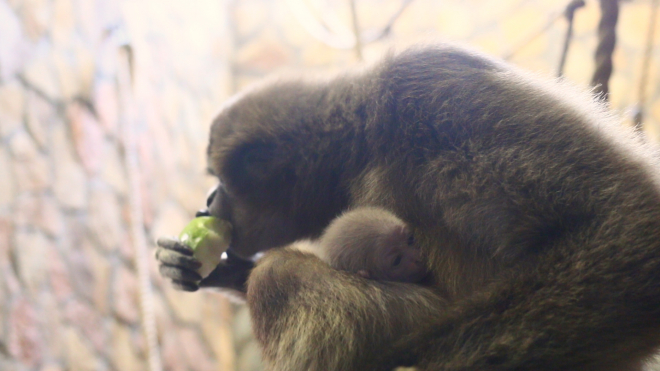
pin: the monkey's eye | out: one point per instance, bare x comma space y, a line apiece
411, 239
397, 260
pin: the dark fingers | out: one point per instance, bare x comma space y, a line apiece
178, 274
172, 243
175, 258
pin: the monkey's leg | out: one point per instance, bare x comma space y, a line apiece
308, 316
592, 304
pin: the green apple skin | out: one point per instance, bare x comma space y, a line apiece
208, 237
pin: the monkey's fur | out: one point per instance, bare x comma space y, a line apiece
538, 214
373, 243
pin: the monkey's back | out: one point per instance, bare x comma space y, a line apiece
502, 164
538, 213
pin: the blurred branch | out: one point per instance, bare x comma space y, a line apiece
533, 36
125, 79
606, 41
320, 26
646, 65
356, 31
569, 13
370, 36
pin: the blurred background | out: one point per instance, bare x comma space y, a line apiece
105, 107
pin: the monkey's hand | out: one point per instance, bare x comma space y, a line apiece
176, 262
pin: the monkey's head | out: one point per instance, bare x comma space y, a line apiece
375, 244
267, 160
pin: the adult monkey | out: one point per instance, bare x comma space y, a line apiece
538, 215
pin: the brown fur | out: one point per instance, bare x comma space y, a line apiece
345, 312
538, 214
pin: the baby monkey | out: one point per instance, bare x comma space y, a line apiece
372, 243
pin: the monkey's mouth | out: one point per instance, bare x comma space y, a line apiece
214, 208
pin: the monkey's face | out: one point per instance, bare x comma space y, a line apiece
271, 192
252, 232
398, 258
256, 201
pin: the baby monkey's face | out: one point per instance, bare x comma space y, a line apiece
397, 257
375, 244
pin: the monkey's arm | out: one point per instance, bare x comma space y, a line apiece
308, 316
593, 304
177, 263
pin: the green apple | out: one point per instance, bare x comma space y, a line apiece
208, 237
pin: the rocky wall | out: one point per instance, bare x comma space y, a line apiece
69, 297
68, 282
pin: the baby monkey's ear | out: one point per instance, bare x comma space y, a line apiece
363, 273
